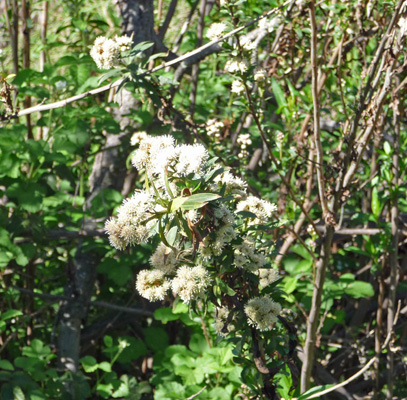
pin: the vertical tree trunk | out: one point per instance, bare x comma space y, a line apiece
313, 318
394, 215
108, 172
25, 5
14, 36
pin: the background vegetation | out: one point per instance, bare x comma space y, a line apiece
328, 145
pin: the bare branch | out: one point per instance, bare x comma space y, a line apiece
316, 112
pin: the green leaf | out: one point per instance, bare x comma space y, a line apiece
18, 393
387, 147
105, 366
225, 288
198, 343
246, 214
280, 97
359, 289
172, 235
10, 314
176, 203
376, 206
142, 46
165, 314
89, 363
7, 365
135, 349
156, 338
108, 341
198, 200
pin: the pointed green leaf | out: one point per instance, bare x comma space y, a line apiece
10, 314
198, 200
376, 206
172, 235
280, 97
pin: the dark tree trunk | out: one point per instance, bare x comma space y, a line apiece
108, 172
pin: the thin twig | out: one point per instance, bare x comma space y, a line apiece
196, 394
316, 112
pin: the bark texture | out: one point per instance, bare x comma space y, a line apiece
108, 172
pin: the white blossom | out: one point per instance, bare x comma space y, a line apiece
246, 256
191, 282
105, 52
260, 75
216, 31
262, 312
263, 209
124, 42
234, 186
237, 87
132, 225
244, 140
191, 159
138, 137
236, 66
148, 149
280, 137
268, 276
113, 229
247, 44
152, 285
214, 127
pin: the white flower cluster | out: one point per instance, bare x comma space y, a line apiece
246, 256
124, 42
190, 282
237, 87
260, 75
160, 154
216, 31
268, 276
236, 65
234, 186
152, 284
132, 224
106, 52
138, 137
280, 137
247, 44
262, 312
244, 140
263, 209
214, 128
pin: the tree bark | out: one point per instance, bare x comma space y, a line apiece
108, 172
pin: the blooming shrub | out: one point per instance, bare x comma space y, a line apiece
206, 223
